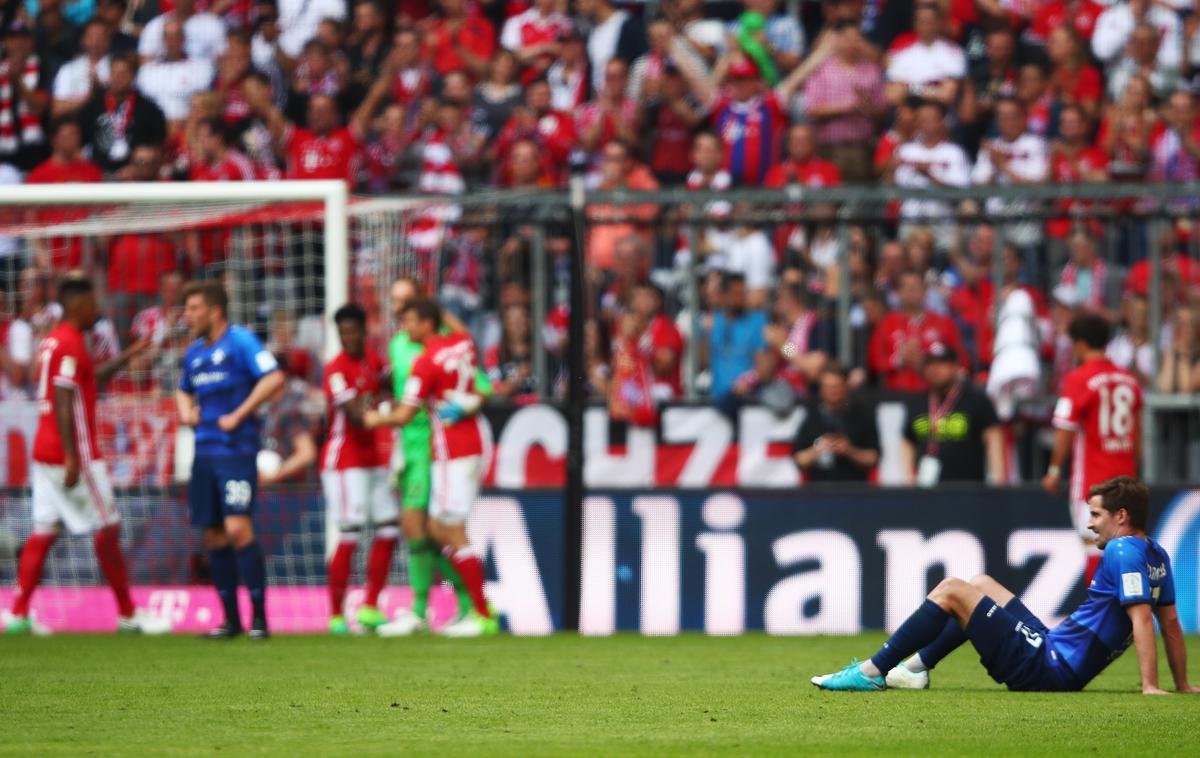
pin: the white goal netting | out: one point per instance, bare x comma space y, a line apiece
282, 281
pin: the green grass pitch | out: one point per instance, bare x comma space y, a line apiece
624, 695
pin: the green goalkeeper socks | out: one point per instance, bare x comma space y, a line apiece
460, 589
422, 557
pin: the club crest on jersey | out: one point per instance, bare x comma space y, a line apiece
218, 356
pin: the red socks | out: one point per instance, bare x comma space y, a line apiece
1092, 562
339, 575
29, 573
379, 563
470, 568
112, 563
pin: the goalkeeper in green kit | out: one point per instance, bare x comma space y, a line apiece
412, 465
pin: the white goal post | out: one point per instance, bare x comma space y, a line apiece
194, 198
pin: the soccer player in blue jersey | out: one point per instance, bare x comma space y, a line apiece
1132, 587
227, 375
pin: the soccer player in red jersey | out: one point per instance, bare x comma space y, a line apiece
354, 472
443, 381
1097, 421
71, 486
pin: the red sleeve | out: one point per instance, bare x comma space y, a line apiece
491, 358
38, 175
65, 363
93, 173
1071, 403
1089, 86
879, 350
774, 178
833, 177
883, 152
419, 386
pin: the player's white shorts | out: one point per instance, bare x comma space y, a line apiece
84, 508
454, 488
355, 496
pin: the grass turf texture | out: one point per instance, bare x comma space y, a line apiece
626, 695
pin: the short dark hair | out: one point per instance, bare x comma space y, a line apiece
350, 312
426, 310
211, 290
730, 278
1124, 492
1091, 329
73, 285
836, 368
58, 123
927, 103
129, 58
217, 126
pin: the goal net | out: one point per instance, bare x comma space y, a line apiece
289, 254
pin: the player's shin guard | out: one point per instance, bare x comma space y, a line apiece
421, 559
112, 562
222, 566
339, 573
253, 568
29, 573
470, 568
379, 562
918, 630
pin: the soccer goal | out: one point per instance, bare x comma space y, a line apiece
289, 254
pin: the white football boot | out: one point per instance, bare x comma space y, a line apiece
404, 624
144, 622
900, 678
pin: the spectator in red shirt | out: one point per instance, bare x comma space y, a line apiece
215, 160
1073, 159
461, 40
537, 120
66, 164
660, 342
904, 129
137, 262
896, 353
672, 115
612, 115
1074, 81
325, 150
803, 166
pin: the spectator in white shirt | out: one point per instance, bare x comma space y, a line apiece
747, 252
615, 34
930, 67
76, 79
534, 35
1014, 157
204, 34
1115, 26
300, 19
1141, 58
931, 160
172, 81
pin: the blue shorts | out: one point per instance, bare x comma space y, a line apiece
222, 486
1013, 647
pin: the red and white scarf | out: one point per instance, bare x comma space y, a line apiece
1095, 295
27, 127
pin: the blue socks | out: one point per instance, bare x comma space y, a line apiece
223, 567
951, 638
920, 629
254, 575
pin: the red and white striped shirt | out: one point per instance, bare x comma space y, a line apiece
234, 167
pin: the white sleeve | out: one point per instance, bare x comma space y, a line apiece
150, 44
1111, 32
1170, 49
958, 168
983, 171
63, 89
20, 342
956, 67
1038, 164
510, 37
760, 264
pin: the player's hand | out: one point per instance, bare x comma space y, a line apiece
191, 418
372, 420
229, 422
1154, 691
1050, 483
70, 471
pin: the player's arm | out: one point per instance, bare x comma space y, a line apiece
189, 411
1146, 645
1172, 634
1063, 439
399, 416
105, 371
264, 390
304, 454
64, 419
993, 444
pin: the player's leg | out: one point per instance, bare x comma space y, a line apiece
384, 513
455, 487
47, 491
952, 599
337, 510
425, 556
205, 511
238, 479
913, 673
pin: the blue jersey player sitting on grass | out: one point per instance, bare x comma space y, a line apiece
227, 375
1132, 587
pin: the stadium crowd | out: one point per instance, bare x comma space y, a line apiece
449, 96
